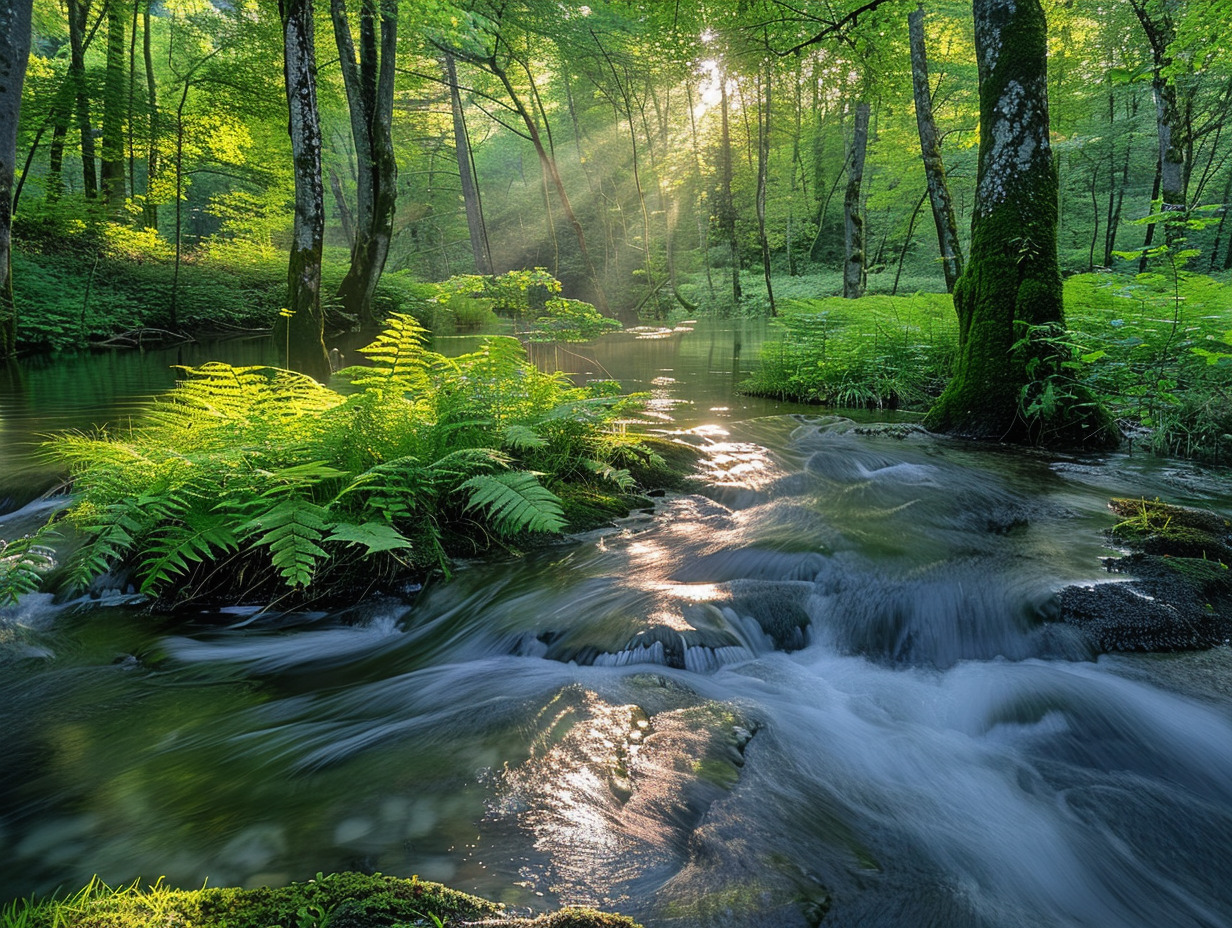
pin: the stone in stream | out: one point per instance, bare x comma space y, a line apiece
1178, 591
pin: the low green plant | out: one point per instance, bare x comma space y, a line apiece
255, 483
877, 351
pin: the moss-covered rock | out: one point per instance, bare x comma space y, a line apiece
340, 900
1179, 596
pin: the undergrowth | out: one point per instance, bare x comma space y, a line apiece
1154, 349
255, 484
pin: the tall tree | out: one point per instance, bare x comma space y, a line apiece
930, 149
15, 20
1009, 296
112, 162
369, 82
855, 265
301, 327
470, 189
78, 10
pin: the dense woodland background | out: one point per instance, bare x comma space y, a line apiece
679, 141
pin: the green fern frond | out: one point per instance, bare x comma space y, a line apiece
392, 491
23, 563
617, 475
375, 536
291, 531
522, 438
398, 357
465, 462
174, 548
515, 502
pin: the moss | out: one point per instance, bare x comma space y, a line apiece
340, 900
1154, 527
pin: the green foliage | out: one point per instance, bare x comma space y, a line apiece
877, 351
566, 320
252, 482
23, 562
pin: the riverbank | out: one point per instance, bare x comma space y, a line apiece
339, 900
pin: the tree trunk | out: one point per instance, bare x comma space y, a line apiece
470, 193
763, 170
369, 83
727, 205
15, 20
150, 207
301, 326
113, 113
1174, 142
854, 266
930, 149
77, 10
1008, 383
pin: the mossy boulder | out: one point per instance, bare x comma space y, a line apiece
340, 900
1179, 595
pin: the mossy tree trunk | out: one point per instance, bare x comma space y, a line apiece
15, 16
1008, 382
300, 329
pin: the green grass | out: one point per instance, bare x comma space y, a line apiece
879, 351
1155, 349
339, 900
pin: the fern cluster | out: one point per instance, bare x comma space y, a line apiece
242, 482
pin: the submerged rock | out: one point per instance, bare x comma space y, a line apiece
1177, 591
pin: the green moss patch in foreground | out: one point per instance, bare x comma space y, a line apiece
340, 900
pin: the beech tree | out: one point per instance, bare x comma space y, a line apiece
301, 326
14, 53
1007, 383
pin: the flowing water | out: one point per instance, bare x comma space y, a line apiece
827, 681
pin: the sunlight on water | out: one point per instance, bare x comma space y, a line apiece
830, 679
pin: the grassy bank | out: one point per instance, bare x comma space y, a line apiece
339, 900
1155, 349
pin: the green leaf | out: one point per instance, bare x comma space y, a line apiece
375, 536
515, 502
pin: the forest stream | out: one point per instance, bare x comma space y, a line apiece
826, 683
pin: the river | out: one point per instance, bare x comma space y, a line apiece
824, 682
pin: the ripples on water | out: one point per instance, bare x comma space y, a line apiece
828, 680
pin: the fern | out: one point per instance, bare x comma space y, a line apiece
23, 562
174, 548
522, 438
291, 531
374, 536
112, 533
398, 357
515, 502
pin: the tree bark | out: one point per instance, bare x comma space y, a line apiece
15, 22
150, 208
77, 10
930, 149
854, 266
112, 165
470, 193
763, 171
300, 328
1175, 145
727, 205
369, 83
1009, 298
